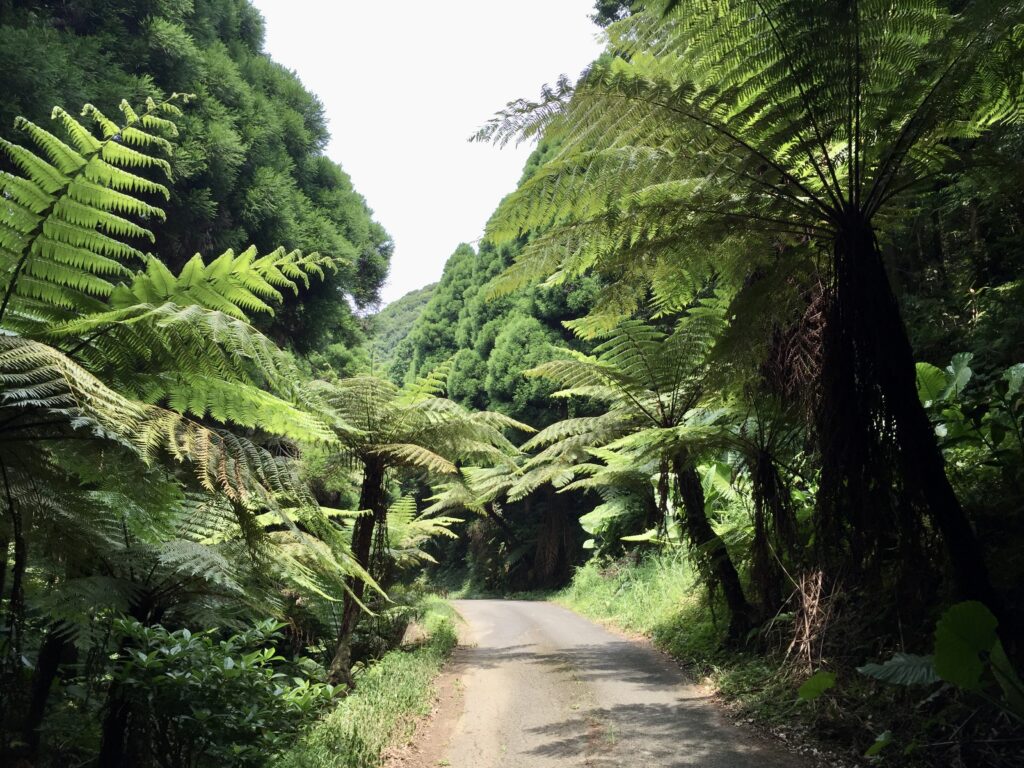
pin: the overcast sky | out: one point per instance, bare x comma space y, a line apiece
405, 83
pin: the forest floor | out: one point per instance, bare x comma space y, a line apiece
534, 684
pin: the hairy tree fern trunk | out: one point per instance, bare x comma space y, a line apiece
55, 650
551, 554
712, 548
881, 464
16, 601
371, 497
4, 545
773, 519
10, 661
113, 733
509, 532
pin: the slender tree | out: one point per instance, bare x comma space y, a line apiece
652, 383
383, 428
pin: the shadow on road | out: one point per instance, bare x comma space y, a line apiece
622, 662
671, 735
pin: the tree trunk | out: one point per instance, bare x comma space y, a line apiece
4, 546
117, 718
703, 537
492, 514
773, 513
881, 463
371, 497
54, 650
16, 602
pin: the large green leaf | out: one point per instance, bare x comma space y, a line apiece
931, 382
959, 375
1014, 377
903, 669
964, 637
598, 518
816, 685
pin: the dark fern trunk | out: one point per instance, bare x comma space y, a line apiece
882, 469
114, 730
712, 549
775, 530
121, 714
55, 650
371, 498
16, 599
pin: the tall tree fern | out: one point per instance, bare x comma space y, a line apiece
768, 140
117, 362
382, 428
654, 384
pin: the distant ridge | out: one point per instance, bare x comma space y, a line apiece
393, 323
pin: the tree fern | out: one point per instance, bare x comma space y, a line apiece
380, 428
654, 384
769, 132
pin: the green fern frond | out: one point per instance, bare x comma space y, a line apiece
235, 285
721, 119
67, 227
35, 376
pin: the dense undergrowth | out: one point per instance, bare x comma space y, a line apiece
660, 597
379, 713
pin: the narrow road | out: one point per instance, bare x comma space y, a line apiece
542, 686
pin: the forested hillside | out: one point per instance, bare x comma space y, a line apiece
249, 167
738, 364
392, 324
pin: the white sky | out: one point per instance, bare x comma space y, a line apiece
405, 83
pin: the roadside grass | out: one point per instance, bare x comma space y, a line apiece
389, 696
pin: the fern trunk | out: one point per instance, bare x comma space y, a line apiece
16, 601
116, 743
712, 548
371, 497
773, 514
55, 650
881, 464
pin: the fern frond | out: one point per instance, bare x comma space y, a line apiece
235, 285
68, 227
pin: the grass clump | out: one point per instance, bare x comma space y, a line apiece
658, 597
382, 710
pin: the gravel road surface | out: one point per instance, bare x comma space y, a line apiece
542, 686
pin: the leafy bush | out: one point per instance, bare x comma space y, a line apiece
968, 654
199, 701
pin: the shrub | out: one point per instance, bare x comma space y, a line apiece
198, 701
